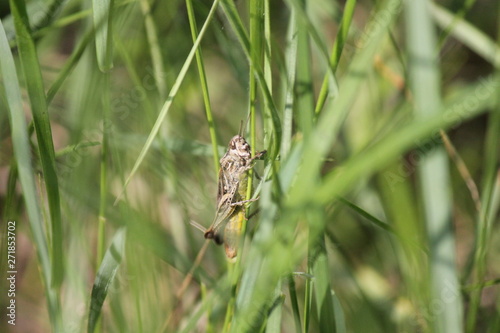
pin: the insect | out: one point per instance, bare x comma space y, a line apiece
231, 191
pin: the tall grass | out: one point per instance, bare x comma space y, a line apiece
364, 222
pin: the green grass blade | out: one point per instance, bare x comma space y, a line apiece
331, 119
103, 23
268, 71
460, 13
170, 99
307, 25
9, 210
273, 324
468, 34
105, 276
398, 196
103, 182
42, 14
342, 163
433, 170
238, 28
399, 141
22, 152
294, 303
69, 65
381, 224
304, 103
204, 86
488, 211
318, 259
308, 297
36, 92
339, 314
50, 15
263, 269
338, 46
288, 83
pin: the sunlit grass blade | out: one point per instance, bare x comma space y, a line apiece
468, 34
433, 169
105, 276
36, 92
25, 172
399, 141
103, 23
460, 13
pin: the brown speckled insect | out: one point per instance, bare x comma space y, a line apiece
232, 187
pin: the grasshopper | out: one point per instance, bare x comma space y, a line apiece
231, 191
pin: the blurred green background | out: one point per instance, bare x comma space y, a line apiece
379, 193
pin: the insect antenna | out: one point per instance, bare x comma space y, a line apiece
243, 125
198, 226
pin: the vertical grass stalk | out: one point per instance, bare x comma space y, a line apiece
433, 169
204, 86
486, 214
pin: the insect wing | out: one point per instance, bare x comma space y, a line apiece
225, 196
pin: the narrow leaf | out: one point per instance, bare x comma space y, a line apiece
105, 276
102, 10
36, 92
22, 154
